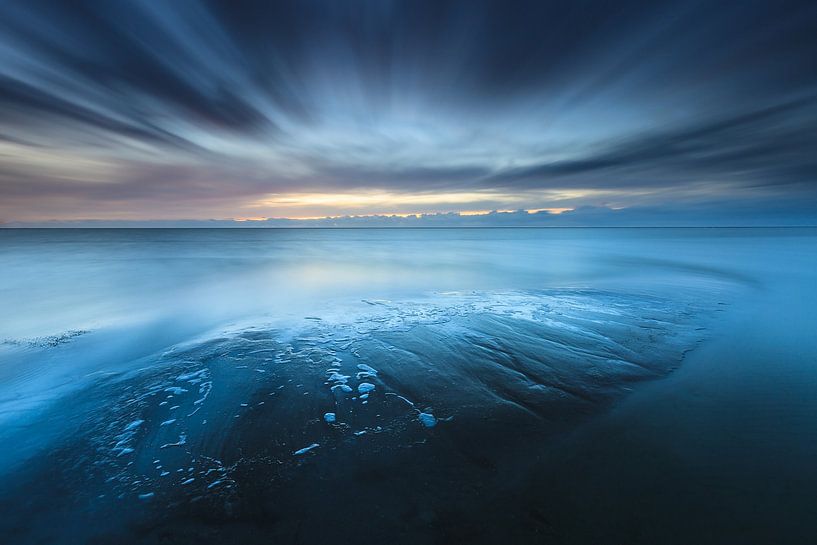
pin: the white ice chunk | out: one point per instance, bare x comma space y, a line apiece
329, 417
305, 449
175, 390
334, 376
427, 420
182, 441
365, 387
133, 425
190, 376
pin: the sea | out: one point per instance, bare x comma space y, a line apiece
418, 386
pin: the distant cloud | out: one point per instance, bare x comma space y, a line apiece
748, 215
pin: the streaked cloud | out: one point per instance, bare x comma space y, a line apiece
210, 109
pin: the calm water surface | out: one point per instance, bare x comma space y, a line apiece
408, 386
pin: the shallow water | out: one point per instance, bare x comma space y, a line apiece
555, 385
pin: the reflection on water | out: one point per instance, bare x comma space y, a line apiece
294, 386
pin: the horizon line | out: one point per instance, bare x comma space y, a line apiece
409, 227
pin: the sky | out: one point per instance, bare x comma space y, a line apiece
372, 112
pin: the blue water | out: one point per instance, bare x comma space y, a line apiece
558, 385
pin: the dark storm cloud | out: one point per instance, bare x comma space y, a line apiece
769, 146
24, 100
125, 50
208, 100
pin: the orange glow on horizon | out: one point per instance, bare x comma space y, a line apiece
313, 205
554, 211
